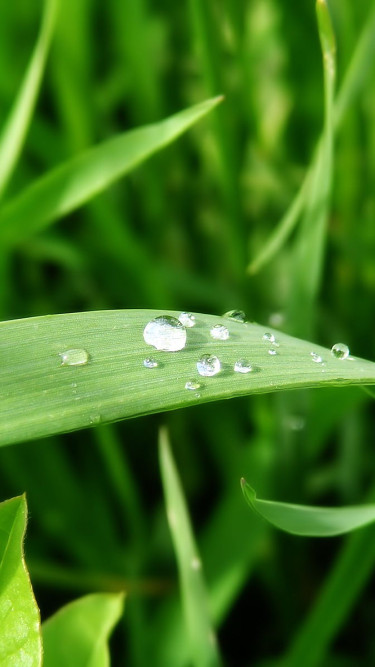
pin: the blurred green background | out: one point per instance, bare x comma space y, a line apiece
179, 233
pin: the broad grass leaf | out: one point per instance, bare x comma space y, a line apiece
78, 633
20, 640
40, 396
307, 520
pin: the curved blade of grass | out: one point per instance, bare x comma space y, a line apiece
308, 520
355, 79
14, 132
78, 633
204, 651
20, 640
347, 578
73, 183
40, 396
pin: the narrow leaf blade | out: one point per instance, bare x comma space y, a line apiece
40, 396
193, 589
79, 632
77, 181
307, 520
20, 640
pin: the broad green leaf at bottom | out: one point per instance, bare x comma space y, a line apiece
20, 641
77, 635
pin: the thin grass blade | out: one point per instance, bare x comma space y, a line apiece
14, 132
44, 390
204, 651
77, 181
307, 520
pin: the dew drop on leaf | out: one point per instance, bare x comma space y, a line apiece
242, 366
340, 351
219, 332
237, 315
187, 319
193, 385
149, 362
316, 357
74, 357
208, 365
165, 333
272, 352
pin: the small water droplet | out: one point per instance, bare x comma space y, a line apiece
208, 365
149, 362
193, 385
340, 351
272, 352
196, 563
187, 319
219, 332
237, 315
165, 333
316, 357
242, 366
95, 419
269, 337
74, 357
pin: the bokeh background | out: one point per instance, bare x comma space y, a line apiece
179, 233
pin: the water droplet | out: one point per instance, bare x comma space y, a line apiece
272, 352
196, 563
340, 351
187, 319
237, 315
74, 357
95, 419
242, 366
165, 333
208, 365
316, 357
219, 332
193, 385
149, 362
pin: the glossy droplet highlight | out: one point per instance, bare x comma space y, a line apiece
340, 351
237, 315
219, 332
193, 385
208, 365
272, 352
242, 366
187, 319
316, 357
165, 333
149, 362
74, 357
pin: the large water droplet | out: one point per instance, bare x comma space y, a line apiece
208, 365
242, 366
165, 333
187, 319
150, 362
193, 385
219, 332
237, 315
316, 357
340, 351
74, 357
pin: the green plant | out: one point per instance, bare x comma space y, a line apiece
177, 232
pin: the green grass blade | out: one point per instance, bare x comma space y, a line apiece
355, 80
20, 640
310, 521
204, 652
78, 633
77, 181
347, 578
14, 132
40, 396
